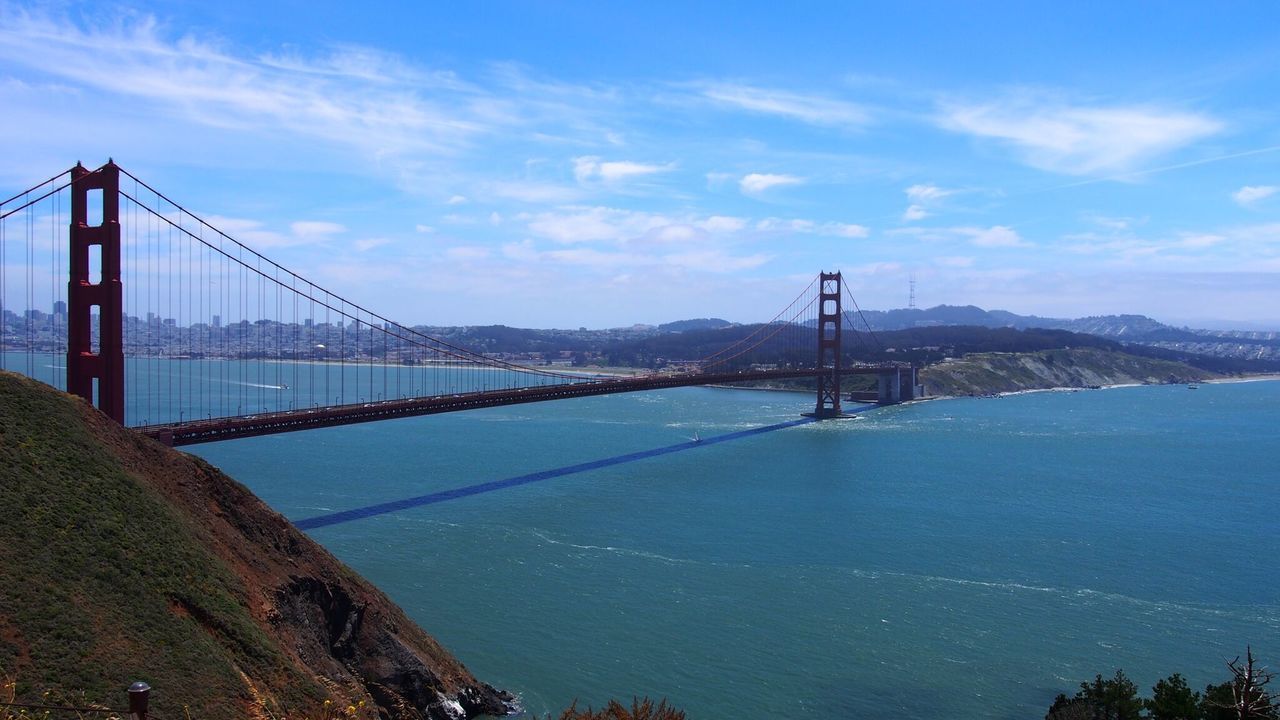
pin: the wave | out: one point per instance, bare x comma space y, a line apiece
1266, 614
615, 550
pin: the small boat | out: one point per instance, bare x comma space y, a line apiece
1192, 387
696, 437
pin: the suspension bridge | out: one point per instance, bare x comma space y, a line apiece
171, 326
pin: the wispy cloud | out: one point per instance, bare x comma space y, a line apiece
758, 183
591, 168
1075, 139
926, 193
315, 228
1250, 194
812, 109
921, 197
997, 236
594, 224
1111, 223
259, 235
533, 192
355, 98
367, 244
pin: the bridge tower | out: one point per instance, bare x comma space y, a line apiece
105, 367
830, 324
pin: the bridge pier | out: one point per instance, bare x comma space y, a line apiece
898, 385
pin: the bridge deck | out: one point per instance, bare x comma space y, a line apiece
199, 431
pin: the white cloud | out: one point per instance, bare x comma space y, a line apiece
811, 227
926, 193
1077, 139
811, 109
717, 180
591, 257
1110, 223
589, 168
533, 192
995, 236
424, 229
715, 261
353, 97
576, 225
368, 244
1250, 194
921, 197
457, 200
775, 224
675, 234
315, 228
757, 183
255, 234
844, 230
722, 224
467, 252
1201, 240
954, 261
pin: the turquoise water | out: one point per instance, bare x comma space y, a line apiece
965, 558
960, 558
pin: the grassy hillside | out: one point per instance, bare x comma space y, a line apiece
986, 373
121, 560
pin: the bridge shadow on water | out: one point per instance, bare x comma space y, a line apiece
454, 494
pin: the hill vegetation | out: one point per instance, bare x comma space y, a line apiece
1244, 696
122, 560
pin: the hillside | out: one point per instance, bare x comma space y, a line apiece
985, 373
122, 560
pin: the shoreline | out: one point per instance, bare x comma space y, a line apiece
1262, 377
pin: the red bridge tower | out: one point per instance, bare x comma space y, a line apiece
85, 367
830, 322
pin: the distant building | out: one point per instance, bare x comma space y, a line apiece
217, 321
60, 307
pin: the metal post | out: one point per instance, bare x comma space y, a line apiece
83, 364
139, 695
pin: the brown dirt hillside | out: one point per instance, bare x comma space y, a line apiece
124, 560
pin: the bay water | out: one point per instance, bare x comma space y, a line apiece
964, 558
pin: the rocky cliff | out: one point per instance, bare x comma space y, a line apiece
123, 560
987, 373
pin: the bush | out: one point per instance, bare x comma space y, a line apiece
641, 709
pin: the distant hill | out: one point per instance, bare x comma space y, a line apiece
902, 319
1138, 329
123, 560
698, 324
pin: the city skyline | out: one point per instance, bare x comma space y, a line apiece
563, 165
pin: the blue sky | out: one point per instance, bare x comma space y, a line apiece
602, 164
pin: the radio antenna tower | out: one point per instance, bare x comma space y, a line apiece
911, 298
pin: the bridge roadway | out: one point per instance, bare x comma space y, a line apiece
271, 423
